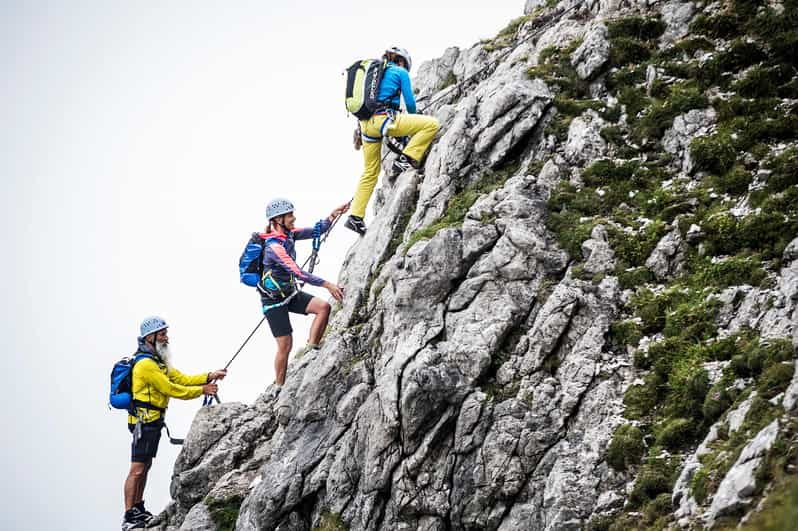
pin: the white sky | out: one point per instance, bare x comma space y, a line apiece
140, 142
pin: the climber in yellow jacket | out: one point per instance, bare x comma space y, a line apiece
387, 121
154, 382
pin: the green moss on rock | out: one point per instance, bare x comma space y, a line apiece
331, 522
224, 512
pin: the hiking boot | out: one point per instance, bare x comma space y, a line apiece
402, 164
356, 224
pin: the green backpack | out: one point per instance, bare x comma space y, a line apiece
362, 87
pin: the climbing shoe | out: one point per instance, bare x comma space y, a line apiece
356, 224
402, 164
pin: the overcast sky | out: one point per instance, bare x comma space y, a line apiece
140, 142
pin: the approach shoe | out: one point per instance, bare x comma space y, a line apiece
402, 164
134, 519
147, 515
356, 224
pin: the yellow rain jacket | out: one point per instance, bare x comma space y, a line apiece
155, 383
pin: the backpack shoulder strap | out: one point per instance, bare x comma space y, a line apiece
140, 403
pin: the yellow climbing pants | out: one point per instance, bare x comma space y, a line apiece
421, 130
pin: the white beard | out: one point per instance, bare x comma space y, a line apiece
162, 349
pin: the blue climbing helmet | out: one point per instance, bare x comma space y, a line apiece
277, 207
401, 52
150, 325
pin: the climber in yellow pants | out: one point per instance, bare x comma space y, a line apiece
387, 121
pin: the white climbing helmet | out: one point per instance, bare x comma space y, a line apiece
153, 324
404, 54
277, 207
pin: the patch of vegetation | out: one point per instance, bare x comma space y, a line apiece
632, 39
331, 522
656, 477
645, 29
659, 117
555, 68
775, 379
784, 174
633, 278
224, 513
780, 509
633, 248
720, 274
627, 447
766, 233
715, 153
624, 333
735, 181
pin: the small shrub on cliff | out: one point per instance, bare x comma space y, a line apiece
330, 522
715, 153
675, 433
626, 448
735, 181
775, 379
641, 28
224, 513
656, 477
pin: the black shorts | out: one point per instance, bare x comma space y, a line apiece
147, 446
278, 317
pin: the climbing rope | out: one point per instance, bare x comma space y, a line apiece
313, 259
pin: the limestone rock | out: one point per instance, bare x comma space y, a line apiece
676, 140
599, 257
739, 483
677, 15
667, 258
584, 142
593, 53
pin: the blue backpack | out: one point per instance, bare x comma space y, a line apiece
250, 265
121, 396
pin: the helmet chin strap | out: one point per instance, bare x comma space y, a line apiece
281, 225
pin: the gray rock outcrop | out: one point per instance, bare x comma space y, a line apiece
739, 483
474, 377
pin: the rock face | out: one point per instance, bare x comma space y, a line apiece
593, 53
739, 484
474, 377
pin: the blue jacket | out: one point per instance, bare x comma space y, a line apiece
279, 258
396, 80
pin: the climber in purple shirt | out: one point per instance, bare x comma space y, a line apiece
280, 294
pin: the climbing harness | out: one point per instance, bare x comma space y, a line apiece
313, 259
